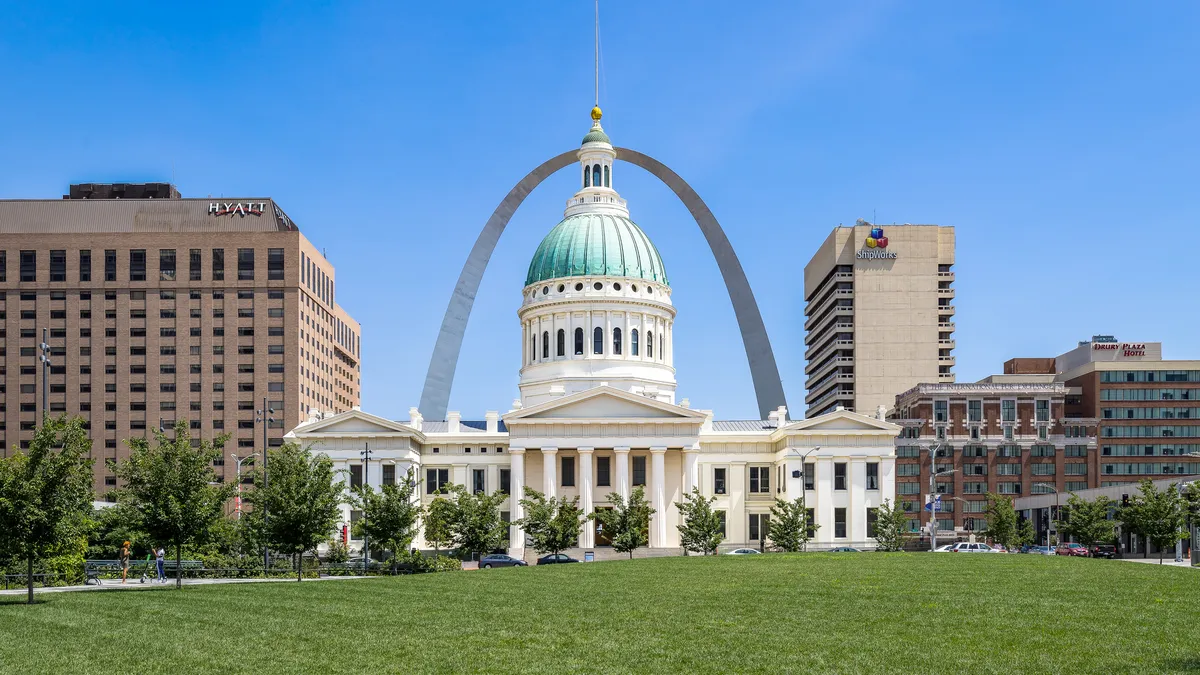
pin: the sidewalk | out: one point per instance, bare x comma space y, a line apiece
1169, 560
134, 585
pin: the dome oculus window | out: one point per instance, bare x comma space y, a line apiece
616, 287
545, 290
650, 290
579, 287
633, 287
597, 285
561, 288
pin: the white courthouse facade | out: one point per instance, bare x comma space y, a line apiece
597, 412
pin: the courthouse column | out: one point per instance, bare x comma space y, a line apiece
658, 471
621, 456
587, 538
549, 476
516, 480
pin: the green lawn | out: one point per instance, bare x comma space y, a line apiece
912, 613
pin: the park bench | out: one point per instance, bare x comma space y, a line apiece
93, 569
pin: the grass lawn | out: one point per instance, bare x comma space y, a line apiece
911, 613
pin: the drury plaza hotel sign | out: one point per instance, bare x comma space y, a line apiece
1121, 349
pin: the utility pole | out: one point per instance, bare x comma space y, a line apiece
366, 455
266, 420
45, 374
935, 501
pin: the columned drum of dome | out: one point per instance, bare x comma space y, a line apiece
764, 372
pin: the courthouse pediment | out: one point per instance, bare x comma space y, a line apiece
605, 403
842, 420
353, 422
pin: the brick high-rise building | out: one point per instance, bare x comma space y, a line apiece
158, 308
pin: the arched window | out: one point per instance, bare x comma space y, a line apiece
616, 340
598, 340
545, 344
533, 348
649, 345
578, 341
587, 176
606, 183
562, 342
596, 175
633, 342
662, 347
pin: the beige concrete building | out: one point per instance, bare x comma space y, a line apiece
157, 308
880, 315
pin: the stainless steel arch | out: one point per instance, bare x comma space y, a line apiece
768, 388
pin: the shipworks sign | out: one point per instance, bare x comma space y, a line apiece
231, 209
876, 247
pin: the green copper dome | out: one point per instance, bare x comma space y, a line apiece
596, 136
597, 244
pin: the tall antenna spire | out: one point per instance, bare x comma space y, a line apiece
597, 53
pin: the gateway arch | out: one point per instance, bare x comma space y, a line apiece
768, 388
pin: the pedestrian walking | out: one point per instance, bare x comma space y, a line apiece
124, 559
160, 555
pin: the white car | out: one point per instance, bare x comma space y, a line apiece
744, 551
943, 549
964, 547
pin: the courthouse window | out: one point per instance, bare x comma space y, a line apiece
639, 470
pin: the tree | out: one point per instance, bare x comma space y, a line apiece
627, 523
891, 526
439, 520
172, 487
390, 515
46, 493
1157, 515
789, 528
477, 527
702, 529
1087, 521
1002, 521
552, 524
1025, 533
300, 498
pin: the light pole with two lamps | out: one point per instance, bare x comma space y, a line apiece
934, 497
1057, 510
237, 500
801, 475
264, 418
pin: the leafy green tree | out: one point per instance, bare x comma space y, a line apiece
1087, 521
1157, 515
46, 493
702, 528
172, 487
1002, 521
627, 523
300, 498
111, 527
1025, 533
891, 526
390, 514
477, 527
439, 519
551, 523
789, 528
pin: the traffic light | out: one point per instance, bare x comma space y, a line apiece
1124, 501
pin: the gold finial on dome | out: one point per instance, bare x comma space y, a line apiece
596, 114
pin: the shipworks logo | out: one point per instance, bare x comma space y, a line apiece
876, 247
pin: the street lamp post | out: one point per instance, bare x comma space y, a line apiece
934, 497
366, 455
264, 418
45, 358
803, 477
237, 500
1057, 509
1179, 542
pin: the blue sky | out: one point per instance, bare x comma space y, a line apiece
1060, 139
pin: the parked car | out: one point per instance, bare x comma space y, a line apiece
500, 560
1000, 548
744, 551
1039, 550
1104, 551
556, 559
945, 548
1071, 549
845, 549
964, 547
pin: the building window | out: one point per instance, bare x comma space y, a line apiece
545, 344
356, 470
975, 411
137, 264
839, 476
759, 526
721, 517
58, 265
839, 523
389, 474
603, 472
578, 341
245, 264
478, 481
941, 411
1042, 409
561, 342
616, 341
568, 472
810, 476
218, 264
872, 517
436, 479
110, 265
639, 471
166, 264
1008, 410
719, 481
760, 480
873, 476
29, 266
194, 264
505, 481
598, 340
275, 264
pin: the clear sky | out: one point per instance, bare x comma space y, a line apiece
1060, 139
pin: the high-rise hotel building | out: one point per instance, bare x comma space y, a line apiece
880, 315
157, 308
